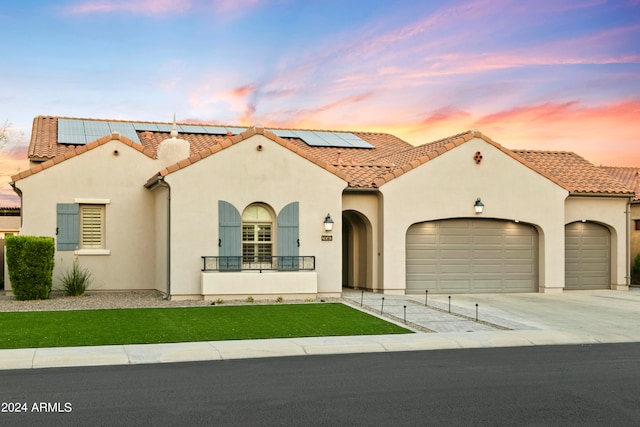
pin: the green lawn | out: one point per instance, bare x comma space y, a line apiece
165, 325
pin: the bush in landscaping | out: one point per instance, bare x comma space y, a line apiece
635, 270
30, 263
75, 280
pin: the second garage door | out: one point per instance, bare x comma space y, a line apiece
472, 255
587, 256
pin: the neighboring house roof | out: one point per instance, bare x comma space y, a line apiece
9, 223
389, 158
629, 176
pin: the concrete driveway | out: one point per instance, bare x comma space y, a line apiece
570, 317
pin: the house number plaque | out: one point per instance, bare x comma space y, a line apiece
326, 238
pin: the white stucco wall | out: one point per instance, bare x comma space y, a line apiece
448, 186
100, 173
610, 212
242, 175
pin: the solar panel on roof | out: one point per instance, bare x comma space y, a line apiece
191, 129
215, 130
236, 131
284, 133
126, 129
325, 139
95, 130
146, 127
162, 127
354, 140
71, 132
333, 140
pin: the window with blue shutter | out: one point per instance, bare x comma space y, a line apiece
229, 237
67, 226
288, 237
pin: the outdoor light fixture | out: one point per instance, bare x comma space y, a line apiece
479, 206
328, 223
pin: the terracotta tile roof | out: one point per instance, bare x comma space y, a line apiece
231, 140
77, 150
629, 176
360, 167
575, 173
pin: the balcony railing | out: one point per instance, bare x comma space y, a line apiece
258, 263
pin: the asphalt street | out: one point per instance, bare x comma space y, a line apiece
582, 385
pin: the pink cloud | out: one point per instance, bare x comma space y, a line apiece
142, 7
223, 8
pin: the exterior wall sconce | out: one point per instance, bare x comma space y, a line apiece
328, 223
479, 206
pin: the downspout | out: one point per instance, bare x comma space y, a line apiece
628, 212
168, 187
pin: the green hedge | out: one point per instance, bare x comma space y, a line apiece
30, 263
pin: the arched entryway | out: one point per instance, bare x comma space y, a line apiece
356, 250
587, 256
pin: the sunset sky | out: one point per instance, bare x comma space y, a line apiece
545, 75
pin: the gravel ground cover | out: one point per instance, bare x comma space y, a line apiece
102, 300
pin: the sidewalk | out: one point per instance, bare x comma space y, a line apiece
504, 320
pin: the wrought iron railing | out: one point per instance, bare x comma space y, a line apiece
258, 263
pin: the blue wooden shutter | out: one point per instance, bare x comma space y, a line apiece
288, 237
230, 235
68, 228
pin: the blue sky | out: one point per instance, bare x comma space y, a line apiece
547, 75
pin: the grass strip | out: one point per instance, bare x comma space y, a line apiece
36, 329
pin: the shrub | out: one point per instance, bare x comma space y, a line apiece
30, 263
75, 280
635, 270
250, 299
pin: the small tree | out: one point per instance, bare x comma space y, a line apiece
30, 262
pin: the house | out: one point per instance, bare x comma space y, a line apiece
210, 211
630, 176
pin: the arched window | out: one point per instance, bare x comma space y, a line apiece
257, 234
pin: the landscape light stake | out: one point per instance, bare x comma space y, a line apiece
426, 296
361, 298
476, 312
405, 314
382, 307
449, 303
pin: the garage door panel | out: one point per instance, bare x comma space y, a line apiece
519, 254
487, 285
587, 256
484, 254
455, 268
487, 240
525, 269
454, 285
513, 285
452, 239
445, 253
472, 255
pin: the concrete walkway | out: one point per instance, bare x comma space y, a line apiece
504, 320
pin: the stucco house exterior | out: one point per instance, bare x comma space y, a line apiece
204, 211
630, 176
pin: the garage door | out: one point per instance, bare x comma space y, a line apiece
587, 256
472, 255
